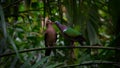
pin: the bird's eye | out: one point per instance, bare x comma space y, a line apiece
57, 22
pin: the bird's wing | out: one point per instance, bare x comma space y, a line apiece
45, 38
71, 32
47, 51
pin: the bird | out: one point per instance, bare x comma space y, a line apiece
71, 35
50, 37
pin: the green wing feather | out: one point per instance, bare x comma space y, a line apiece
71, 32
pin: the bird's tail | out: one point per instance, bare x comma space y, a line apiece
47, 52
81, 40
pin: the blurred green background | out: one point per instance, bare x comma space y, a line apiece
21, 28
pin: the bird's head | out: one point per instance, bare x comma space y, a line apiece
49, 22
60, 26
57, 22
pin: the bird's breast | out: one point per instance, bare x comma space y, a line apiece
51, 36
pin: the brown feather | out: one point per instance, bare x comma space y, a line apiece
50, 37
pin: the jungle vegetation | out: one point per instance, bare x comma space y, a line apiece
22, 33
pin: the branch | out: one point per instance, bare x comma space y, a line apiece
61, 47
12, 4
26, 11
92, 63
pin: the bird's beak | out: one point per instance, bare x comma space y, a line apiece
56, 22
49, 21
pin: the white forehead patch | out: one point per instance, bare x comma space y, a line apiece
65, 30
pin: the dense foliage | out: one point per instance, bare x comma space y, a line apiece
21, 28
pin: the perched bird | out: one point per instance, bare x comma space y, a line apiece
50, 37
70, 33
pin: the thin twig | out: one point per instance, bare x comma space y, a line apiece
12, 4
61, 47
91, 63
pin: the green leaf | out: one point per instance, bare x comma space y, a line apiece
27, 63
40, 63
2, 21
91, 34
14, 63
54, 66
14, 46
